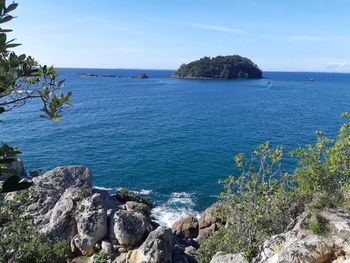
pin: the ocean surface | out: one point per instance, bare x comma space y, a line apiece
173, 139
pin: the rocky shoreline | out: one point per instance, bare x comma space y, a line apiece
64, 205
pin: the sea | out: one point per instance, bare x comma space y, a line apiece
172, 139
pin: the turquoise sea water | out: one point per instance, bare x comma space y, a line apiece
172, 139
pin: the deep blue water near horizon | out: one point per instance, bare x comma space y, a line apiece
173, 139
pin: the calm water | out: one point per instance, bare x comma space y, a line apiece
172, 139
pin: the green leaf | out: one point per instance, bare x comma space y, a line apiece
12, 45
11, 7
13, 184
6, 19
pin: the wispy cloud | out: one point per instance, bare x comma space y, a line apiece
340, 65
218, 28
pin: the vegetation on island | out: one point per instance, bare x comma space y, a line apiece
220, 67
264, 200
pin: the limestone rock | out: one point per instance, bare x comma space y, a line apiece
300, 245
106, 246
128, 227
91, 224
53, 198
229, 258
157, 248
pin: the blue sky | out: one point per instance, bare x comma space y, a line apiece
286, 35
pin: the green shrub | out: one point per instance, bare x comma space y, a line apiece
20, 241
102, 257
259, 203
264, 199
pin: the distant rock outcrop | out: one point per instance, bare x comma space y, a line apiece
142, 76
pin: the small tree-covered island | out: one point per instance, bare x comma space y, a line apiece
220, 67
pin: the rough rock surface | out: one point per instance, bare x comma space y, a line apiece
91, 221
55, 194
128, 227
186, 228
302, 246
207, 222
229, 258
157, 248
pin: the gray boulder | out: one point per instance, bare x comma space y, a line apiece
53, 198
128, 228
157, 248
229, 258
301, 245
91, 224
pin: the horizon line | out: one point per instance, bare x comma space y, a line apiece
286, 71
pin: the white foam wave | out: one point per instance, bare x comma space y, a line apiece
103, 188
178, 206
142, 192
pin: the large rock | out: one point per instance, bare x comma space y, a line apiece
300, 245
128, 227
157, 248
91, 224
186, 228
53, 199
229, 258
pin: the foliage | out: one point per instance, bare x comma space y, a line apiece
23, 79
264, 199
102, 257
20, 242
124, 195
259, 203
325, 166
318, 228
220, 67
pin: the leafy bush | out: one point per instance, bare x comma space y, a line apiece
265, 199
20, 242
259, 203
124, 195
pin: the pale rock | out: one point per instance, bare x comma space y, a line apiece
157, 248
91, 224
106, 246
228, 258
128, 227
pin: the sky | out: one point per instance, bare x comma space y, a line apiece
278, 35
